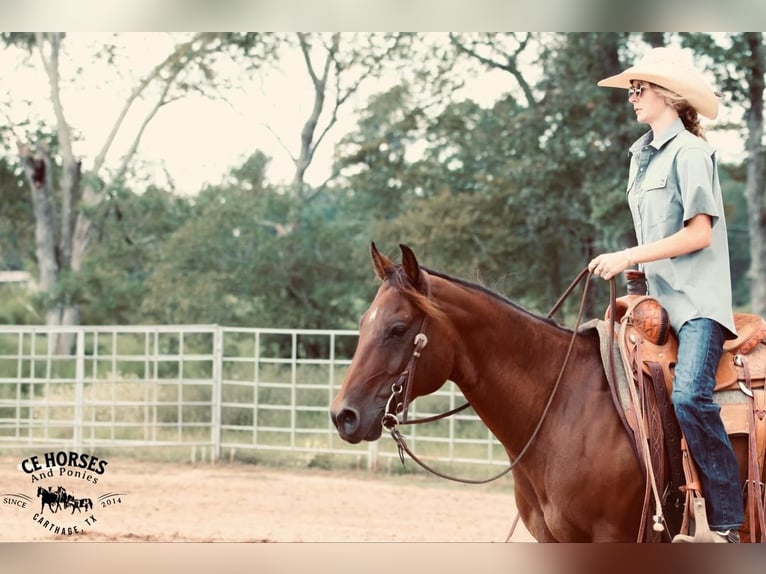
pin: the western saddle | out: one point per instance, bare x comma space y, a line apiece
644, 357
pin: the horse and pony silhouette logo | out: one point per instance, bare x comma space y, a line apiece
60, 498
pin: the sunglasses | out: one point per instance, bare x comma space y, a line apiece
636, 91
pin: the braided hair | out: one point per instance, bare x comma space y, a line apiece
685, 111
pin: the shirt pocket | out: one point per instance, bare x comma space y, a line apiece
661, 208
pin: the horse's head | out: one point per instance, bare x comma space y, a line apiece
402, 308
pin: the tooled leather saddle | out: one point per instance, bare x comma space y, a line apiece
648, 350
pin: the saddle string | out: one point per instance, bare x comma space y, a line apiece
755, 501
641, 409
638, 403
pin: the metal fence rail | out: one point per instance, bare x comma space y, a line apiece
222, 389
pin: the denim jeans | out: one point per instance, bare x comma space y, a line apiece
700, 345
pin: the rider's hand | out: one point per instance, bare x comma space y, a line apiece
608, 265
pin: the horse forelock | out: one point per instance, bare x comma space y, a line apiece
398, 279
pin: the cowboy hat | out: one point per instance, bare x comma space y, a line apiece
672, 69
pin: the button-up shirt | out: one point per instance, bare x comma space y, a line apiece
673, 177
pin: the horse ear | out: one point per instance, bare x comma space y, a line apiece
410, 265
382, 264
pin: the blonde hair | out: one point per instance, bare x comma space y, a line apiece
689, 116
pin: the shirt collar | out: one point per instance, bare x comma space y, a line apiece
669, 133
661, 139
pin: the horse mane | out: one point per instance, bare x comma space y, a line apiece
492, 294
398, 279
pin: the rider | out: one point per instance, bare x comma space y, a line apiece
675, 200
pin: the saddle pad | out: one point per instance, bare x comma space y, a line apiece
620, 375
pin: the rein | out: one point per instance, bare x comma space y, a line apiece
403, 386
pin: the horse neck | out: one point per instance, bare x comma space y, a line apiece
507, 360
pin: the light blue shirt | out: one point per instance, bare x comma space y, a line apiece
672, 178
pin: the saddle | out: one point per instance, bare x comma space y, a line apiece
647, 351
644, 321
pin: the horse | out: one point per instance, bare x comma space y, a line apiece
80, 503
48, 498
578, 479
76, 503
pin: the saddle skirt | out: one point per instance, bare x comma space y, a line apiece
642, 335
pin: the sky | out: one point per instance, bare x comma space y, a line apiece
197, 140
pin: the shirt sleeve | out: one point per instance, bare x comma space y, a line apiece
696, 172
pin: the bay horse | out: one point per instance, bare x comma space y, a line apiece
578, 480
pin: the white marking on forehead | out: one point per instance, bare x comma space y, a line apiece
373, 315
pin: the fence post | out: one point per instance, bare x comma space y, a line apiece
79, 390
372, 456
216, 415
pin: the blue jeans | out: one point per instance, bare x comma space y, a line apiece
700, 345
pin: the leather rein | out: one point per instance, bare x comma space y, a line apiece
401, 389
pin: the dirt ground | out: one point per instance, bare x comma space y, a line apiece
249, 503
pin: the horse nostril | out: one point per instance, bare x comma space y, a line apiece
346, 421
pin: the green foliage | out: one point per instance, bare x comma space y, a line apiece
131, 237
372, 159
251, 255
517, 195
17, 306
727, 57
735, 204
24, 40
16, 221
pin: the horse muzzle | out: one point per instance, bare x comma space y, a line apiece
348, 422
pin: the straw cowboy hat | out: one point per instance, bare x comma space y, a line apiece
672, 69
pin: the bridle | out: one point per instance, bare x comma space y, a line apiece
401, 389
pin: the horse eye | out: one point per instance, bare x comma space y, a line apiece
396, 331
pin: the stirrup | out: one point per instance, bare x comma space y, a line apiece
702, 532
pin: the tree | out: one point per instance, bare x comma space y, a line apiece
233, 262
739, 64
338, 65
374, 174
64, 193
520, 194
16, 231
132, 231
16, 247
501, 51
755, 187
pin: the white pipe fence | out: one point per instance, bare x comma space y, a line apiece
219, 390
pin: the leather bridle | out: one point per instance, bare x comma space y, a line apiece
402, 389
